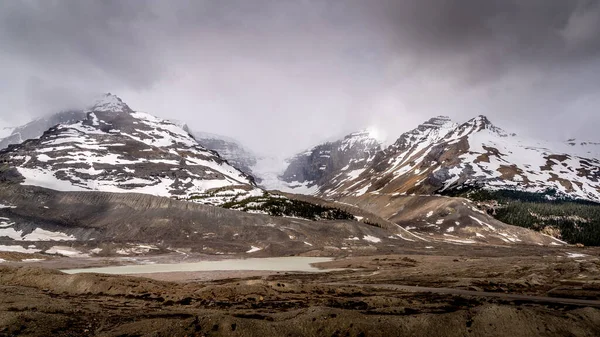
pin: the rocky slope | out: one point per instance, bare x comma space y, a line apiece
37, 127
444, 219
229, 149
34, 219
327, 163
116, 149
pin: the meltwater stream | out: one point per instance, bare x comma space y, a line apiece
292, 263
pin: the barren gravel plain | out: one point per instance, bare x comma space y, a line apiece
447, 290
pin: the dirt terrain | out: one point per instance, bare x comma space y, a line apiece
446, 219
444, 291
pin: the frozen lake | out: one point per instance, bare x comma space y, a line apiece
294, 263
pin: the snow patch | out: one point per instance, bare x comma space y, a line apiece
371, 238
65, 251
18, 249
483, 223
39, 234
253, 249
575, 255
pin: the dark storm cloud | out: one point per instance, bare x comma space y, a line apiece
489, 36
299, 71
69, 35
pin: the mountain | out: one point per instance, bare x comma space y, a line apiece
552, 187
36, 128
440, 155
73, 181
229, 149
116, 149
325, 163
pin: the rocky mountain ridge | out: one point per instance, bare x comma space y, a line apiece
320, 165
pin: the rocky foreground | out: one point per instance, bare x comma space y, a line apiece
446, 291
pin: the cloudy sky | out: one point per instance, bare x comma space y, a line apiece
283, 75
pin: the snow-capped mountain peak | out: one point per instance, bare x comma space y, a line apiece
110, 103
481, 123
365, 138
116, 149
437, 122
427, 133
439, 155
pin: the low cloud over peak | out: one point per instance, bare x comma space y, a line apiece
301, 71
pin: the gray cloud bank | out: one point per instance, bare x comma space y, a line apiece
283, 75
